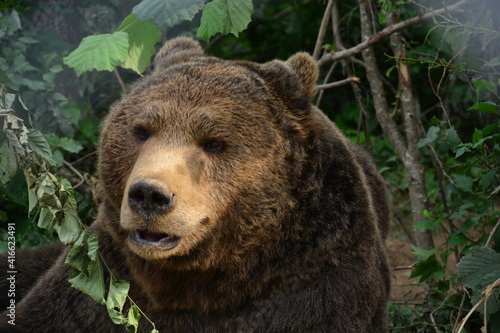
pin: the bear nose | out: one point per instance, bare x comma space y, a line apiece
149, 200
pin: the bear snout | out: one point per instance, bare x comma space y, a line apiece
149, 200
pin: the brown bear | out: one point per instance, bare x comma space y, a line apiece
231, 204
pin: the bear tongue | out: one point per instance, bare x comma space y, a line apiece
157, 239
151, 236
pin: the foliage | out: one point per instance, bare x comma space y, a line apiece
138, 36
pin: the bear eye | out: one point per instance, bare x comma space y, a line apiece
141, 133
214, 146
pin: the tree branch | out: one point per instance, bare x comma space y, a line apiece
337, 83
322, 30
374, 38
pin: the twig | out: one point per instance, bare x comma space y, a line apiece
327, 77
459, 311
492, 232
338, 83
334, 56
401, 268
322, 30
76, 172
486, 294
120, 81
363, 114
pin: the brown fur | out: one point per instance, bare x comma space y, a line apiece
280, 221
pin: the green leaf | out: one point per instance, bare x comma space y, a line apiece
432, 135
17, 135
226, 17
463, 182
487, 179
70, 145
87, 275
47, 193
46, 218
6, 81
452, 138
212, 20
461, 150
167, 13
8, 100
422, 254
478, 135
8, 164
479, 271
457, 240
239, 16
133, 317
427, 225
31, 184
142, 38
84, 254
426, 267
101, 52
485, 107
92, 285
117, 296
37, 143
68, 228
485, 85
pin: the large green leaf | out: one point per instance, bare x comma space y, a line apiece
101, 52
212, 20
142, 37
225, 16
88, 275
117, 296
478, 272
239, 15
167, 13
93, 285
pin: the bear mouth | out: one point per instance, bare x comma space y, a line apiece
162, 240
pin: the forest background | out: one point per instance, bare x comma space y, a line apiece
414, 82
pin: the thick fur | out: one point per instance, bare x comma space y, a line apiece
280, 220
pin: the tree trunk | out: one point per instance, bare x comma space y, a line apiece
407, 149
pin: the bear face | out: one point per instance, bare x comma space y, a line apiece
189, 174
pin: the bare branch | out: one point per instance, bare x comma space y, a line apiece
492, 232
322, 30
338, 83
120, 81
374, 38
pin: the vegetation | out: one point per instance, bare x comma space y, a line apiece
416, 83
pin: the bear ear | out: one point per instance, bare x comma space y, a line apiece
293, 80
306, 71
176, 51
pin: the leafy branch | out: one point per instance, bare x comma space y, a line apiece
132, 44
53, 199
